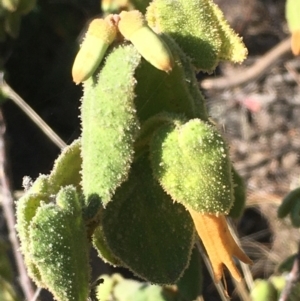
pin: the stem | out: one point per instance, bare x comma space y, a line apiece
21, 103
254, 72
292, 279
7, 204
219, 286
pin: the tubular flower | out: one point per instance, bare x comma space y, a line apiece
219, 243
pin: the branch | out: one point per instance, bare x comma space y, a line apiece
21, 103
258, 69
292, 279
8, 210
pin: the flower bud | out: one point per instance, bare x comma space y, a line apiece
99, 36
10, 5
150, 45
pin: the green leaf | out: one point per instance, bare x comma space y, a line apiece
145, 230
191, 283
191, 162
109, 124
239, 192
288, 203
176, 92
103, 250
59, 247
287, 264
192, 24
6, 270
233, 48
200, 29
67, 167
120, 289
26, 208
263, 290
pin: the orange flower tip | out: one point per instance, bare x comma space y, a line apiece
219, 244
295, 42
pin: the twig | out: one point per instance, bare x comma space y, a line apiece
289, 67
21, 103
259, 68
241, 290
245, 267
36, 294
219, 286
7, 204
292, 278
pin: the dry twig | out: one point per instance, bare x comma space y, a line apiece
258, 69
292, 279
21, 103
8, 210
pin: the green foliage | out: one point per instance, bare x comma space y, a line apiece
292, 11
146, 152
100, 244
67, 167
7, 291
239, 192
59, 247
263, 290
109, 124
11, 12
190, 284
158, 92
291, 205
140, 226
141, 5
6, 272
189, 24
121, 289
27, 206
190, 160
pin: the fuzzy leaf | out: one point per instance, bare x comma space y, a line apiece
59, 247
145, 230
288, 203
191, 283
192, 24
103, 250
26, 208
191, 162
200, 29
66, 169
176, 92
239, 192
109, 124
233, 48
